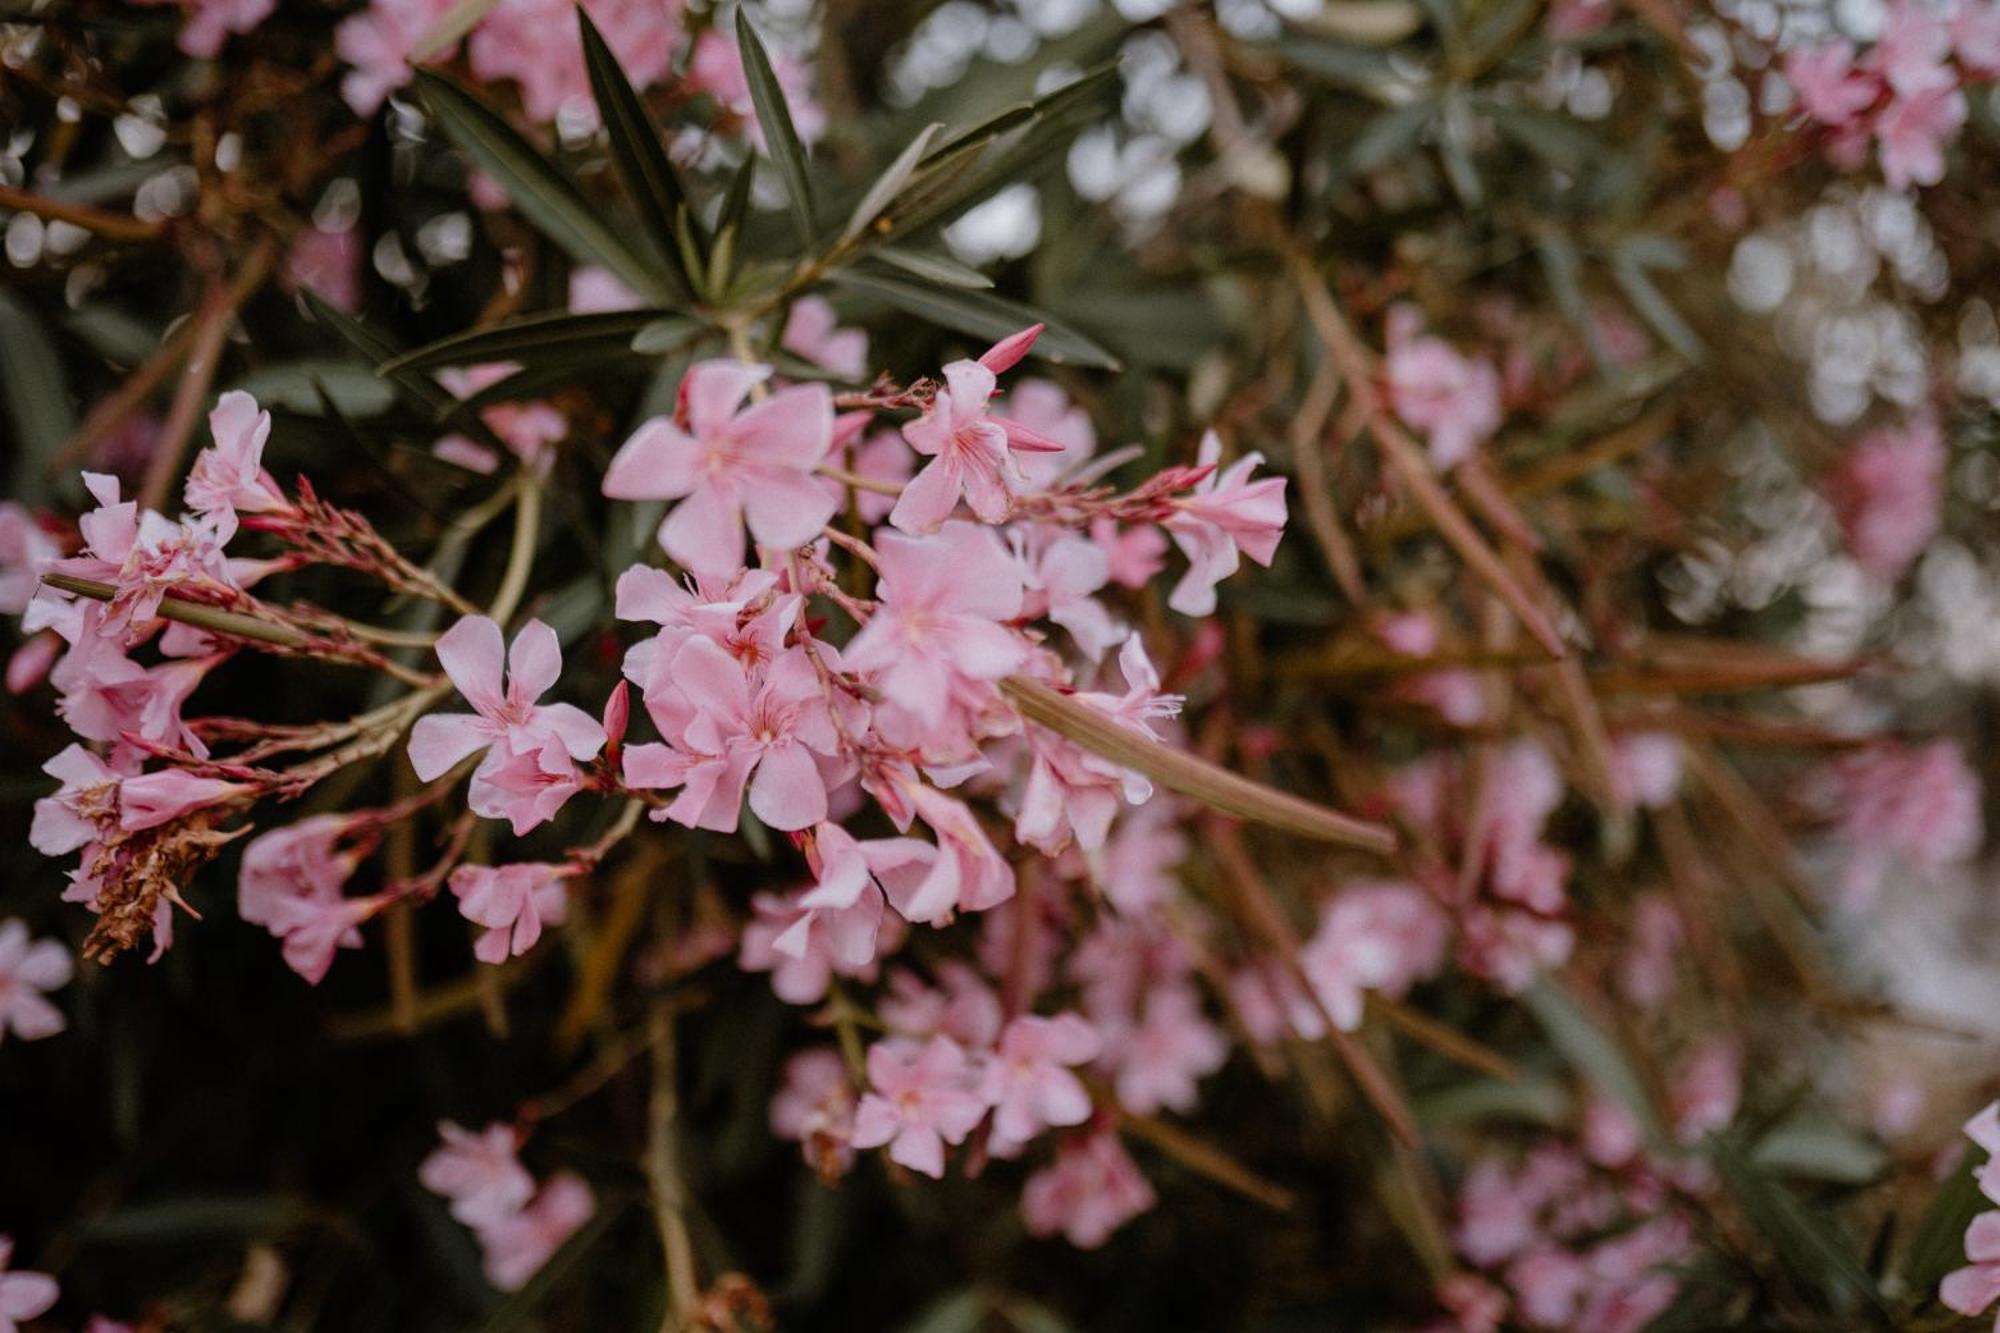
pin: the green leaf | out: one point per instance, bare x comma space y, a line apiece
296, 386
961, 1311
541, 190
1590, 1051
649, 178
1806, 1241
35, 395
1653, 306
781, 137
889, 184
559, 336
1816, 1147
197, 1217
1537, 1102
423, 392
1369, 72
1938, 1246
461, 18
1557, 140
932, 267
982, 315
665, 335
1393, 134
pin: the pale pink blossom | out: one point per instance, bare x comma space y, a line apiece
961, 1006
530, 430
804, 977
887, 458
1059, 572
815, 1107
1917, 807
939, 628
1454, 693
971, 450
153, 799
1830, 87
506, 720
24, 1295
516, 1245
206, 25
229, 477
376, 43
844, 906
920, 1097
1453, 399
594, 289
763, 732
1027, 1080
1510, 948
78, 811
1133, 555
813, 334
716, 68
1044, 408
314, 929
1382, 937
1645, 769
1887, 493
1973, 1289
302, 860
1913, 131
513, 902
478, 1173
1975, 37
1645, 971
327, 262
1912, 50
1984, 1130
1135, 869
24, 548
1706, 1089
1226, 516
1161, 1060
967, 874
28, 970
1092, 1189
534, 43
729, 467
145, 556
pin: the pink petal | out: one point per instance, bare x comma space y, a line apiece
929, 497
534, 662
712, 391
787, 792
440, 740
793, 428
659, 462
1971, 1290
471, 653
1007, 353
705, 532
713, 681
787, 509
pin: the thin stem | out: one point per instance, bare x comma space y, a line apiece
111, 226
521, 555
663, 1171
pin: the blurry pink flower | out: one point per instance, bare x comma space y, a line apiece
1092, 1189
813, 333
1887, 492
534, 43
24, 546
885, 457
1975, 37
815, 1107
376, 43
513, 902
919, 1099
314, 929
530, 430
302, 860
1474, 1305
516, 1245
1226, 514
596, 290
509, 720
1132, 556
938, 627
1912, 132
844, 906
1914, 806
229, 477
1830, 88
971, 450
207, 24
23, 1295
729, 466
1571, 19
801, 978
1059, 573
1044, 408
1646, 968
716, 68
1162, 1060
1511, 948
1645, 769
1373, 936
478, 1174
1706, 1090
1027, 1080
1972, 1290
325, 262
28, 970
1911, 51
1454, 399
962, 1006
1548, 1284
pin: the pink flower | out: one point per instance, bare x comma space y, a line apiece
1093, 1189
302, 860
1912, 132
1975, 37
530, 430
80, 809
325, 262
153, 799
207, 25
229, 478
1161, 1061
716, 68
1376, 936
815, 1108
883, 457
1972, 1290
27, 971
145, 555
938, 629
728, 467
1887, 493
478, 1173
23, 1295
376, 42
1706, 1090
813, 333
313, 929
513, 902
962, 1006
1646, 769
763, 732
506, 721
1226, 513
1829, 86
1646, 968
24, 547
1027, 1080
1043, 407
967, 873
1132, 556
845, 906
534, 43
516, 1245
1454, 399
1917, 806
919, 1099
801, 978
1911, 52
1059, 573
971, 451
594, 290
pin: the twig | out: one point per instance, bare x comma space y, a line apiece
663, 1171
111, 226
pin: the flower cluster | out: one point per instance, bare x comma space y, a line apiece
518, 1223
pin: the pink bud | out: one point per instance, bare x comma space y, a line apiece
1007, 353
617, 713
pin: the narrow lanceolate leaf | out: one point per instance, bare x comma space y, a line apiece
418, 388
666, 335
34, 394
1178, 771
982, 315
1807, 1240
649, 178
531, 340
1589, 1050
460, 19
539, 188
781, 137
889, 184
937, 268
